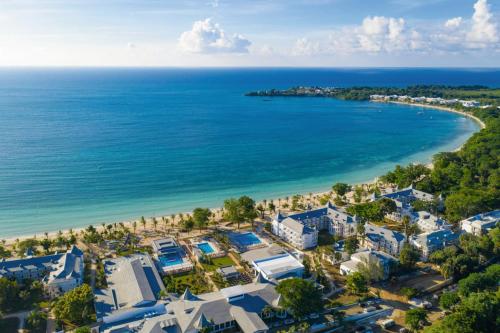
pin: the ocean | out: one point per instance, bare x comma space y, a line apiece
85, 146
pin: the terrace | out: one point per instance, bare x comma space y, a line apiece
207, 247
171, 257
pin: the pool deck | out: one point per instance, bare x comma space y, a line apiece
198, 252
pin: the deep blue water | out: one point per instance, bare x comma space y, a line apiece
81, 146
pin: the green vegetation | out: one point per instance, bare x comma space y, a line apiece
195, 281
36, 322
83, 329
356, 283
414, 318
240, 210
351, 244
201, 216
75, 307
341, 188
373, 211
472, 252
409, 292
211, 264
408, 257
448, 300
14, 297
300, 296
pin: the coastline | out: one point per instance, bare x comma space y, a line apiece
217, 210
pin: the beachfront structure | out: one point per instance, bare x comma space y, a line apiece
404, 199
429, 242
240, 308
368, 257
301, 230
278, 267
228, 272
383, 239
59, 272
133, 288
428, 222
481, 223
67, 273
171, 257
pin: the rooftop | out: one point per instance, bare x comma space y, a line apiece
278, 264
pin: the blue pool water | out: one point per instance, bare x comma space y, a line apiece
85, 146
170, 259
205, 248
246, 239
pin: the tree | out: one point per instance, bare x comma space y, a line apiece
155, 223
36, 321
201, 216
475, 282
260, 208
240, 210
143, 222
371, 268
188, 224
8, 294
247, 206
448, 300
83, 329
409, 292
414, 317
408, 256
46, 245
356, 283
341, 188
75, 306
299, 296
351, 244
408, 227
271, 207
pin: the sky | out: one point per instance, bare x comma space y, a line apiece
206, 33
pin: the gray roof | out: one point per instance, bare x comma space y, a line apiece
69, 266
375, 233
262, 253
218, 307
165, 245
132, 282
249, 322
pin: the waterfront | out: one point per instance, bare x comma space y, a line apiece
106, 148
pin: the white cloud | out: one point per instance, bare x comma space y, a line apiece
208, 37
484, 29
453, 22
305, 47
380, 34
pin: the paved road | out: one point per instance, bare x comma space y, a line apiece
21, 315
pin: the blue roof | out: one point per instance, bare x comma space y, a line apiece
438, 237
34, 261
315, 213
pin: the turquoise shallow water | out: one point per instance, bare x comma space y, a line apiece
96, 145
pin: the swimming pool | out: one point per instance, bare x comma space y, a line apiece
205, 247
246, 239
170, 259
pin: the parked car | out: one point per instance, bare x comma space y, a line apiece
370, 309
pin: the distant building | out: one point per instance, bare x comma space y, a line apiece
301, 230
364, 257
404, 199
133, 290
481, 223
427, 222
383, 239
470, 104
432, 241
228, 272
59, 272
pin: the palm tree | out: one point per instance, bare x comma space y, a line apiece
143, 222
165, 224
155, 223
134, 226
409, 228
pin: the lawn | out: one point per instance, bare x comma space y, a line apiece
218, 262
9, 325
192, 280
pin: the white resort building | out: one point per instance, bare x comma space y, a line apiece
428, 222
429, 242
59, 272
367, 257
301, 230
383, 239
404, 199
480, 224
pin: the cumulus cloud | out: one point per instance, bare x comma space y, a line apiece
380, 34
484, 29
208, 37
453, 22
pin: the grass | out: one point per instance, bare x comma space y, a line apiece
9, 325
195, 282
217, 263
